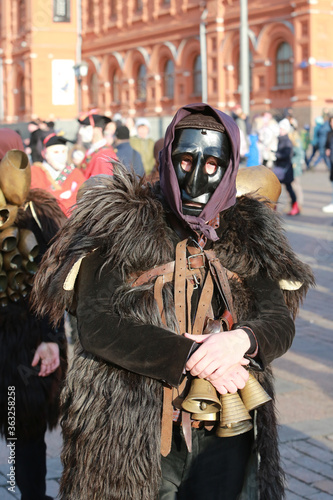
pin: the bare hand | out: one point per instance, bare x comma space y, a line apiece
218, 353
48, 354
233, 379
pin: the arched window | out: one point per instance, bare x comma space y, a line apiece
93, 90
169, 78
90, 13
197, 80
284, 64
141, 90
21, 11
115, 94
138, 5
113, 8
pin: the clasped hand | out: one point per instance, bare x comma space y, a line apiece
220, 359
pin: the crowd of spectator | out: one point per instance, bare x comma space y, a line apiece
60, 166
101, 140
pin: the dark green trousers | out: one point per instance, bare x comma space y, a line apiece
215, 469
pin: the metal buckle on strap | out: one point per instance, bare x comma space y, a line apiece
195, 256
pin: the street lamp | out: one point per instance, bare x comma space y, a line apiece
81, 71
203, 52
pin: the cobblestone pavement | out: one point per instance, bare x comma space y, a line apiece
304, 376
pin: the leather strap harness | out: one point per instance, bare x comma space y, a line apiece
193, 267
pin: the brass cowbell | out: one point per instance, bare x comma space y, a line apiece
234, 418
8, 238
253, 394
28, 245
202, 400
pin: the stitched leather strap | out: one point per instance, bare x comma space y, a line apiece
204, 305
183, 271
219, 274
180, 286
152, 273
166, 421
192, 263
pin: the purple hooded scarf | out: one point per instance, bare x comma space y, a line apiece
225, 194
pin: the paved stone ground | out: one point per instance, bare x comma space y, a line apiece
304, 376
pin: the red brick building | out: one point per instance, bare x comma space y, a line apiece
144, 56
37, 53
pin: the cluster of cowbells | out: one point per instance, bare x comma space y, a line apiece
18, 247
230, 410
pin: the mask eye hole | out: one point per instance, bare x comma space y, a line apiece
211, 166
186, 162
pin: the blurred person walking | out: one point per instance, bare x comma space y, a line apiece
268, 131
244, 126
319, 122
329, 153
283, 167
76, 155
125, 153
253, 153
130, 123
109, 133
298, 163
305, 138
144, 144
38, 131
154, 174
322, 138
291, 118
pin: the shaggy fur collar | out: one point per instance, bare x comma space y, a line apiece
251, 239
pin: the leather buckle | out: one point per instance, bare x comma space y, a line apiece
195, 256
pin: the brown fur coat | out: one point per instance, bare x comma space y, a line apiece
111, 417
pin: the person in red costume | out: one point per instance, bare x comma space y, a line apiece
55, 175
99, 155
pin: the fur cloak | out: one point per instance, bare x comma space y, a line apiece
36, 398
111, 417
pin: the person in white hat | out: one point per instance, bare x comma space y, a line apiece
55, 175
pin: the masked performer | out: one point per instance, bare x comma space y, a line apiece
173, 286
55, 175
32, 351
99, 153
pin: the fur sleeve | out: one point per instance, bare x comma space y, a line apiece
253, 241
48, 212
117, 214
